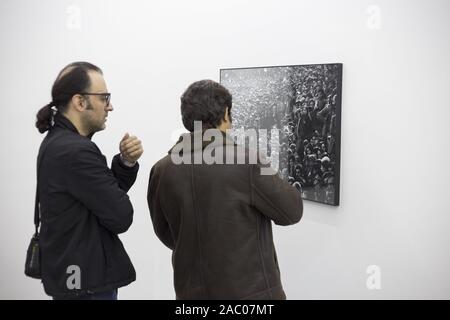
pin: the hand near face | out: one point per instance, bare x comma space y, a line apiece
130, 148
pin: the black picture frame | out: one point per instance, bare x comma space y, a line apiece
306, 101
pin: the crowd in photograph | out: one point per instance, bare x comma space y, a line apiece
300, 101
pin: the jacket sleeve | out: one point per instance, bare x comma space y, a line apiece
94, 184
126, 176
160, 224
274, 197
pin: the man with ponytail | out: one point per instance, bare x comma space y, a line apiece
83, 203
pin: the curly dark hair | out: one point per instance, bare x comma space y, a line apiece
205, 101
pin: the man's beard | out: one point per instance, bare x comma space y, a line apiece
92, 126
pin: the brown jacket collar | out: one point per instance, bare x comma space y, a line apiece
189, 145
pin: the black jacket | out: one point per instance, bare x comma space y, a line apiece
84, 206
217, 220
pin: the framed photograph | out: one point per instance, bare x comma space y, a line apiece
303, 104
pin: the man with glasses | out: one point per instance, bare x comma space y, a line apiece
83, 204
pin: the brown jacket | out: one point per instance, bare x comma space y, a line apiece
217, 220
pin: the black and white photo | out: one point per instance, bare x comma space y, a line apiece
304, 103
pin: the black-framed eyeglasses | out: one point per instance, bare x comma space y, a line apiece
106, 96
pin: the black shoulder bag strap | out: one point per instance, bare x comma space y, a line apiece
37, 219
33, 258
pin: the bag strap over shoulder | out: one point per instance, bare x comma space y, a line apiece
44, 147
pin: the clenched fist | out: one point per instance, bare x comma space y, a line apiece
130, 148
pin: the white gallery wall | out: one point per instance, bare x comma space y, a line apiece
389, 238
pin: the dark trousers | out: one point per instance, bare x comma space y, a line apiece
109, 295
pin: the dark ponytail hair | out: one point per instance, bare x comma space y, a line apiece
71, 80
